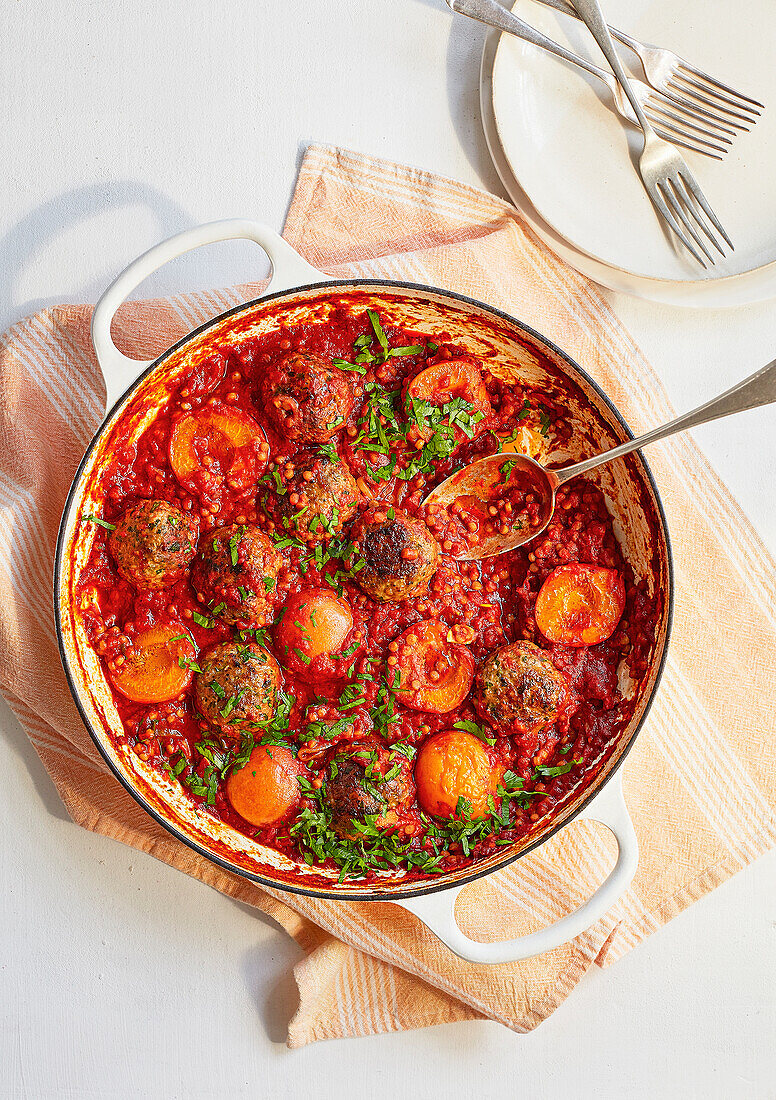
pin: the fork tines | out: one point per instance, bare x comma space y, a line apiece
684, 207
713, 99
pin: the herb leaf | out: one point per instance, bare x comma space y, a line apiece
382, 339
101, 522
477, 730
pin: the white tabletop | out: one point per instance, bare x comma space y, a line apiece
125, 122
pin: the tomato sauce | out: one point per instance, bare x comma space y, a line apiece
218, 453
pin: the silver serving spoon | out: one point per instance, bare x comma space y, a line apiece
758, 389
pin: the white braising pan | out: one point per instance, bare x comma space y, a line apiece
136, 392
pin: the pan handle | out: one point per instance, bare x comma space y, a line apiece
437, 911
288, 270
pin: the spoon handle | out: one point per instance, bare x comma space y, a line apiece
758, 389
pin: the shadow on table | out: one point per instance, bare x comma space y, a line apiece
464, 55
52, 219
272, 989
13, 733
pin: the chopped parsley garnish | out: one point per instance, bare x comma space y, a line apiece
271, 476
383, 429
382, 339
506, 469
542, 771
475, 729
375, 847
365, 353
413, 349
343, 364
383, 713
188, 662
328, 450
232, 702
328, 731
101, 522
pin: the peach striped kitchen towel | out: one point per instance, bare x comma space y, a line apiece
701, 779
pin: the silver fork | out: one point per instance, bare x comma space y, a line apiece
677, 79
673, 121
666, 178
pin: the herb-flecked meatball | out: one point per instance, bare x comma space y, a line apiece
521, 689
365, 780
306, 398
236, 687
319, 499
398, 552
153, 544
235, 572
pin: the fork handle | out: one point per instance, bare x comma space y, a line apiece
492, 14
590, 13
568, 9
756, 390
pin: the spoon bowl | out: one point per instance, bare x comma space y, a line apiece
480, 481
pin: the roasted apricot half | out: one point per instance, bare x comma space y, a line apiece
315, 625
440, 383
218, 442
156, 668
266, 789
453, 765
580, 604
435, 675
524, 440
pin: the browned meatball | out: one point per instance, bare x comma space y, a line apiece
236, 687
355, 786
319, 499
307, 398
520, 688
398, 552
235, 572
153, 543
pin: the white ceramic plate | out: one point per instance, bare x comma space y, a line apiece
564, 156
